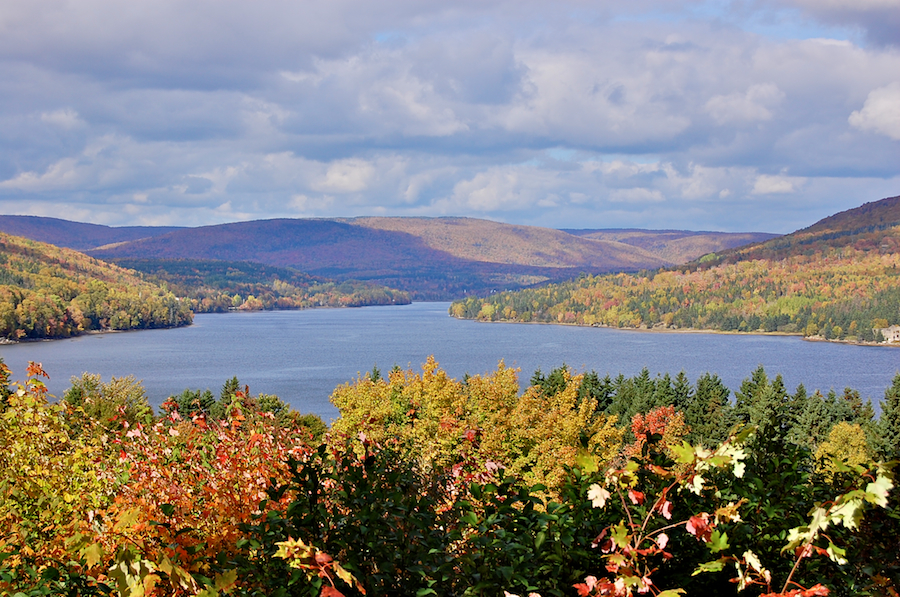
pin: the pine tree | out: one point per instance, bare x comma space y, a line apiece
229, 389
745, 396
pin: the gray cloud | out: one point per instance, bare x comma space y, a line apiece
200, 112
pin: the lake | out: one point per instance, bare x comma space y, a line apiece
303, 355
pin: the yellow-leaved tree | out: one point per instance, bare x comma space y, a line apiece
438, 421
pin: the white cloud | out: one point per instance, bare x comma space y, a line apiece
346, 176
753, 105
65, 118
881, 112
771, 185
636, 195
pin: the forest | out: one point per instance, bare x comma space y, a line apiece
844, 291
219, 286
48, 292
428, 485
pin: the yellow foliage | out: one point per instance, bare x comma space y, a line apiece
428, 416
846, 444
52, 480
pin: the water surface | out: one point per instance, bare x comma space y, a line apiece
303, 355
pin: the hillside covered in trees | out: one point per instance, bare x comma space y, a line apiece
428, 485
838, 279
219, 286
431, 258
49, 292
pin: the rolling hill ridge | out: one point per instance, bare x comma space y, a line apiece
432, 258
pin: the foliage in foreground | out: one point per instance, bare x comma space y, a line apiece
242, 504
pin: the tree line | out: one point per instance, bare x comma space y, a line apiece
837, 294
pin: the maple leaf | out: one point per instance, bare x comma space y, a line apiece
666, 510
598, 496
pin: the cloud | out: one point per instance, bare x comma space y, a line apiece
879, 20
776, 185
881, 112
65, 118
346, 176
636, 195
581, 114
753, 105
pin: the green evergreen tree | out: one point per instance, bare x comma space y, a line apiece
708, 414
745, 396
594, 388
889, 422
683, 392
663, 391
194, 402
229, 389
813, 424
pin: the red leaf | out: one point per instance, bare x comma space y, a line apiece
636, 497
329, 591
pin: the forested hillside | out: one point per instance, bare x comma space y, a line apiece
428, 485
218, 286
48, 292
839, 279
431, 258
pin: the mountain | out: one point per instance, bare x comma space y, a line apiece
432, 258
52, 292
677, 246
838, 279
75, 235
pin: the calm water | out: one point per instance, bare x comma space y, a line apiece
303, 355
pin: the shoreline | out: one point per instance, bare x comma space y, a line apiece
662, 330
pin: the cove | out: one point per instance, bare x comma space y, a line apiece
303, 355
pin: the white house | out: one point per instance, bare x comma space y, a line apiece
891, 334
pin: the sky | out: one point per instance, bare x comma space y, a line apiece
744, 115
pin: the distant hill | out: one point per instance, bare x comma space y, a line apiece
52, 292
838, 279
75, 235
432, 258
865, 227
677, 246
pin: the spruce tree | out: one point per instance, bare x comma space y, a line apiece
813, 424
708, 414
889, 422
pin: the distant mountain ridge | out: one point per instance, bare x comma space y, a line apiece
76, 235
432, 258
677, 246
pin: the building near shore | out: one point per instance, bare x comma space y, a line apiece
891, 334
